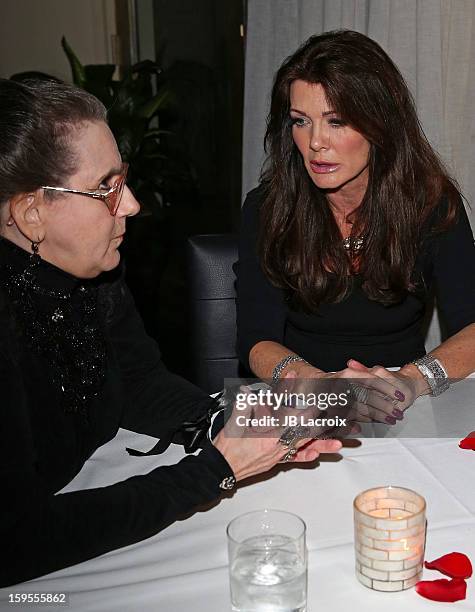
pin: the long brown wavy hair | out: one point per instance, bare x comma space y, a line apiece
301, 248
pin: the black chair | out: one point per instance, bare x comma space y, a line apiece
212, 309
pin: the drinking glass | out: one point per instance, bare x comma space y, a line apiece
267, 562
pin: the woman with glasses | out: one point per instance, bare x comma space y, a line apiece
354, 223
75, 362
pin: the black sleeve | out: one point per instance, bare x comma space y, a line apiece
42, 532
157, 401
453, 266
261, 307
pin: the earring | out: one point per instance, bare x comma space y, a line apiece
34, 248
35, 260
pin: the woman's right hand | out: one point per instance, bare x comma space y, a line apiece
251, 456
381, 394
248, 455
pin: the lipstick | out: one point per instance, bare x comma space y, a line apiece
323, 167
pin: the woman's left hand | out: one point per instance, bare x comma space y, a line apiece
388, 409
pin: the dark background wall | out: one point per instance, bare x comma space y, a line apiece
203, 41
200, 47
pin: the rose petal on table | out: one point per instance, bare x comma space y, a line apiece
454, 565
442, 589
468, 442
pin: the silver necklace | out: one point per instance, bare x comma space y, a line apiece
356, 244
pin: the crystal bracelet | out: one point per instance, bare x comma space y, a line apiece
434, 373
283, 363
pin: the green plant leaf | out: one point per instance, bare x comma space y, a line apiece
158, 172
79, 74
160, 101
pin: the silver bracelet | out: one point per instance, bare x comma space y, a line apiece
277, 371
228, 483
434, 373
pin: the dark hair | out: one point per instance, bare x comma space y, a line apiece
36, 119
300, 244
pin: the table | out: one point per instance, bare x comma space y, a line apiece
184, 568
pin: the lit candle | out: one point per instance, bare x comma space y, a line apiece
390, 533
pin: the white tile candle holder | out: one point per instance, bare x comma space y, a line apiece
390, 534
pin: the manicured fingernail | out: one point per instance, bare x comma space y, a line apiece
400, 396
399, 414
391, 420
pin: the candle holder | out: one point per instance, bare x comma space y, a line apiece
390, 534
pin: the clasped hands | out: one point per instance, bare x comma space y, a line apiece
254, 449
387, 396
380, 394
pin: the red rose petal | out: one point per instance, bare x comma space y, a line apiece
454, 565
442, 589
468, 442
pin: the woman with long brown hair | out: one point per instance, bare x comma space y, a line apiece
354, 222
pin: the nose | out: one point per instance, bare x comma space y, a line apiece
320, 138
128, 206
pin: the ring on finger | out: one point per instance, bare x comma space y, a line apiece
289, 436
359, 393
289, 454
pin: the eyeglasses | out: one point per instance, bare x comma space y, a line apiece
110, 197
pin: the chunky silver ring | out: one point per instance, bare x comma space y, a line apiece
360, 393
291, 434
288, 437
289, 454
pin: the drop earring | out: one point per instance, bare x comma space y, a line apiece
34, 262
34, 248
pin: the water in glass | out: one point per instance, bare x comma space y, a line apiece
268, 575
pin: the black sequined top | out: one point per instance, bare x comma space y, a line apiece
75, 365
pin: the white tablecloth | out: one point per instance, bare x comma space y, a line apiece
184, 568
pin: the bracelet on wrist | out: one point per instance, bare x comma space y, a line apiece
283, 363
434, 373
228, 483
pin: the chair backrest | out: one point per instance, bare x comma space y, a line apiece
212, 308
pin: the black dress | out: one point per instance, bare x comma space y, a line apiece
75, 365
356, 327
